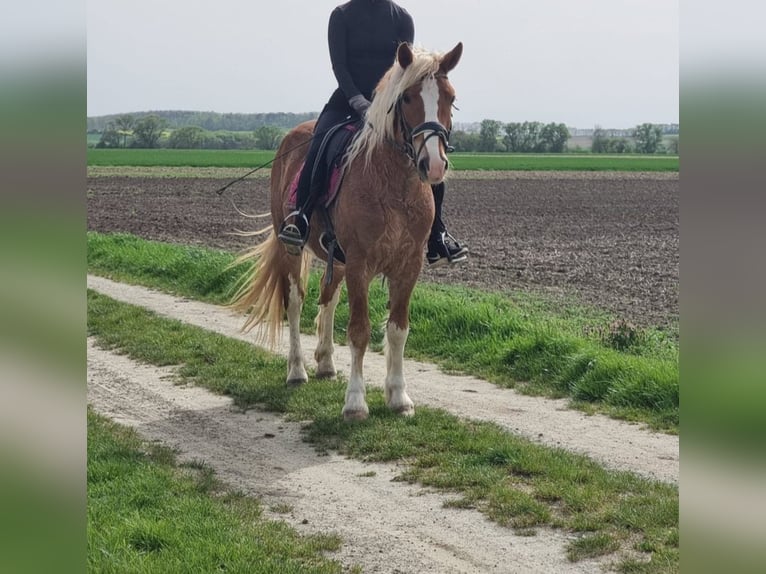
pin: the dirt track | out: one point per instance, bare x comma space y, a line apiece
387, 526
609, 239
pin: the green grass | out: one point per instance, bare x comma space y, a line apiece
146, 513
562, 162
193, 271
513, 340
459, 161
514, 482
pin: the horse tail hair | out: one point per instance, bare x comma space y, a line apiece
263, 289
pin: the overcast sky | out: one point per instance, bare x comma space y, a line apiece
581, 62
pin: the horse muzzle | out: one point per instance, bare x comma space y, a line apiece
432, 172
430, 159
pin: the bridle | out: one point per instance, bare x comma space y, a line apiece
430, 129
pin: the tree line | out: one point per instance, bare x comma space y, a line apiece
514, 137
536, 137
154, 130
646, 139
210, 121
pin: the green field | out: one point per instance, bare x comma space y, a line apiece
563, 162
460, 161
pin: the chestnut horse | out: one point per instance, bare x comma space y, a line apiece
382, 218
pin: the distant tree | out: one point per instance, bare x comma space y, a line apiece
464, 141
673, 145
530, 136
110, 137
513, 140
268, 137
648, 138
148, 130
191, 137
124, 124
554, 137
619, 145
600, 143
535, 137
490, 130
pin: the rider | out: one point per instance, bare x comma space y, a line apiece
363, 37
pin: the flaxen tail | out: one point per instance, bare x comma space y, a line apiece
264, 288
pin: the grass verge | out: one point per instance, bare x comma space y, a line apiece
602, 364
514, 482
146, 513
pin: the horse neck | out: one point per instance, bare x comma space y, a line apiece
391, 167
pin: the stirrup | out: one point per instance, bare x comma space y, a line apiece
290, 234
456, 254
445, 250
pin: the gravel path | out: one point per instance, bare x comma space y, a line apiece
615, 444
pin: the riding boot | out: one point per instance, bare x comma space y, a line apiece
442, 247
294, 231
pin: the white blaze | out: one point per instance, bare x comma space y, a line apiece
430, 95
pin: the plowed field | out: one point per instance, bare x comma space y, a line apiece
607, 239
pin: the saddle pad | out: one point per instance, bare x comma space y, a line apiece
336, 148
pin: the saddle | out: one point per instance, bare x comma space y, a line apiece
328, 162
328, 165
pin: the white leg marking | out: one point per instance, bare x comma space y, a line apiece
296, 371
396, 395
325, 323
430, 95
356, 406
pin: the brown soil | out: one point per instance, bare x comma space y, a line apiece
610, 240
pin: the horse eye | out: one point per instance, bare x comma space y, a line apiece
406, 98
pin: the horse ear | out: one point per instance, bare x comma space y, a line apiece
451, 58
404, 55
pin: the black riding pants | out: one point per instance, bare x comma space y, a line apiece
309, 187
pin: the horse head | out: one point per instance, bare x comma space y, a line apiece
424, 111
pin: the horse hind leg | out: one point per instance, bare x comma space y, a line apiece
325, 325
296, 369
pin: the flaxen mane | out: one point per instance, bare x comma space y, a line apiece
380, 125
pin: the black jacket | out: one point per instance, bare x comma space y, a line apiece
363, 36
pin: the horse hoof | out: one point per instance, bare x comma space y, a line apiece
295, 382
405, 410
360, 415
326, 375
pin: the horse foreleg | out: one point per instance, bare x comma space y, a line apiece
325, 324
397, 330
296, 370
355, 407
